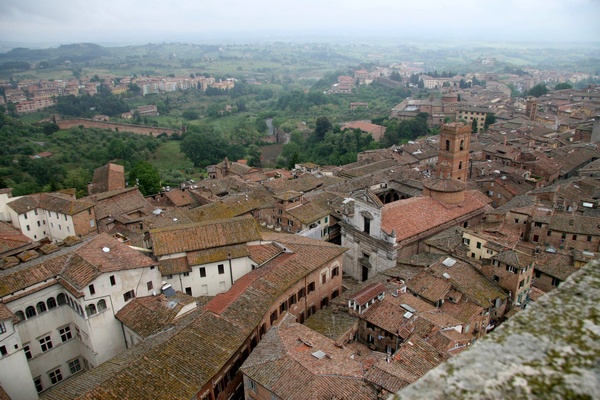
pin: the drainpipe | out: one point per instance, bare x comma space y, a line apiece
230, 269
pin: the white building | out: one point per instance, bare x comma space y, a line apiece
64, 306
51, 215
205, 259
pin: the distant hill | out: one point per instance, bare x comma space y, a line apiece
72, 52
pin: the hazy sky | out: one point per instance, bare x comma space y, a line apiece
129, 21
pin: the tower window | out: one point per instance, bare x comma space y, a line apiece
447, 145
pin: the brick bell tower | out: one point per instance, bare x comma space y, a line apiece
453, 157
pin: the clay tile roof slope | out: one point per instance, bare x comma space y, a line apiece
92, 259
369, 292
24, 204
284, 364
204, 235
418, 214
152, 314
69, 206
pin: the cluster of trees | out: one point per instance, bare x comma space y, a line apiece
298, 101
104, 102
402, 131
204, 146
326, 145
538, 90
14, 66
77, 153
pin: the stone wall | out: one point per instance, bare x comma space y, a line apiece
114, 126
551, 350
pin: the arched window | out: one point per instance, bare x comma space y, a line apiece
460, 165
20, 315
30, 312
79, 310
462, 144
101, 305
90, 309
70, 300
41, 307
447, 145
51, 303
61, 299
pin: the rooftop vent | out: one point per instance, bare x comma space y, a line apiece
106, 249
449, 261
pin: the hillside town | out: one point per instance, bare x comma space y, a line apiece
349, 281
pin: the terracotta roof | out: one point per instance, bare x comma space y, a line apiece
416, 215
60, 204
188, 357
576, 224
264, 252
5, 313
514, 258
152, 314
172, 266
556, 265
204, 235
217, 254
363, 296
23, 204
377, 131
11, 238
100, 255
418, 357
287, 363
179, 198
119, 203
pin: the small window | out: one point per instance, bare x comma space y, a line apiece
522, 283
101, 305
45, 343
292, 300
335, 272
301, 293
496, 278
149, 285
282, 307
2, 327
90, 310
323, 279
38, 384
128, 295
311, 287
186, 274
3, 351
30, 312
574, 237
28, 228
55, 376
113, 280
478, 245
290, 222
188, 290
65, 333
92, 289
202, 272
41, 307
252, 385
27, 351
74, 366
555, 281
221, 268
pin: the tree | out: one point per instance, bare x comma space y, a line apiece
538, 90
421, 84
395, 76
204, 147
322, 127
474, 128
489, 120
146, 177
190, 114
563, 86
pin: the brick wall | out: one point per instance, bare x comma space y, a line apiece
113, 126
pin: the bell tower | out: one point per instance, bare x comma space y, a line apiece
453, 157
